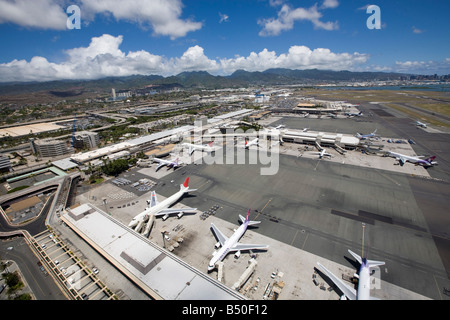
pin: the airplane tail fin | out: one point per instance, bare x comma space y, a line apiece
185, 186
153, 200
431, 159
247, 219
371, 263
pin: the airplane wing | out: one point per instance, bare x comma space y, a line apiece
173, 211
241, 246
161, 164
349, 292
372, 263
221, 237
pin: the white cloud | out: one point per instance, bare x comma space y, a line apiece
103, 57
163, 16
417, 30
40, 14
423, 67
287, 16
223, 17
330, 4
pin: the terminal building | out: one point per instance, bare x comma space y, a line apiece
162, 275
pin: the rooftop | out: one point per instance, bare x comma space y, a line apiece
158, 272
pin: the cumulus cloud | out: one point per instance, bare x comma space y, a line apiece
103, 57
423, 67
287, 16
40, 14
163, 16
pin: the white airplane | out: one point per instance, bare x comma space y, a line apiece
421, 124
162, 208
351, 115
169, 163
281, 126
323, 153
232, 244
366, 136
428, 162
363, 291
254, 142
192, 147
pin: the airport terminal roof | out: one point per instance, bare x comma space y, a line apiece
155, 270
91, 155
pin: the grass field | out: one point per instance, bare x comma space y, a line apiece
432, 101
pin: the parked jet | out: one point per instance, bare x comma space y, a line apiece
254, 142
428, 162
323, 153
366, 136
162, 209
363, 291
421, 124
169, 163
351, 115
192, 147
232, 244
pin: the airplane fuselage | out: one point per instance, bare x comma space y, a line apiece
363, 292
228, 245
157, 208
415, 160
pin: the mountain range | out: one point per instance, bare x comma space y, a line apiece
192, 80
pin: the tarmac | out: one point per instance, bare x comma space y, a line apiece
303, 220
313, 210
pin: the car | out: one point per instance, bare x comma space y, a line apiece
95, 270
43, 246
56, 262
2, 287
9, 248
84, 296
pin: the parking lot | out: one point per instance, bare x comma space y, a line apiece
72, 274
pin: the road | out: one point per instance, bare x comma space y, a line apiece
42, 286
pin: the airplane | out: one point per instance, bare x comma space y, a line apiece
281, 126
170, 163
366, 136
421, 124
363, 291
306, 115
162, 208
192, 147
323, 153
305, 129
251, 143
351, 115
428, 162
232, 244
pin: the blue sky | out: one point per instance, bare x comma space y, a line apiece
171, 36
